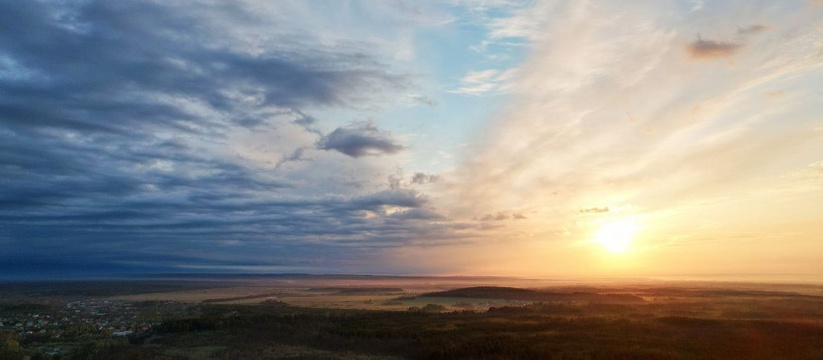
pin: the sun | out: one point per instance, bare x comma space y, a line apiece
616, 236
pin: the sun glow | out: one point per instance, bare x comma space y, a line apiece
616, 236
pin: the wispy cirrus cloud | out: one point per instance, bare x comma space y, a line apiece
608, 111
484, 82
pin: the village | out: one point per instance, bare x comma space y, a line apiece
87, 318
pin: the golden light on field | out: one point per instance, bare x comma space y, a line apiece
616, 236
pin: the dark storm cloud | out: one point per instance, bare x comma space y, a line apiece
105, 111
357, 141
705, 49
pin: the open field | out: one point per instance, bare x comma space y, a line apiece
413, 318
251, 290
345, 292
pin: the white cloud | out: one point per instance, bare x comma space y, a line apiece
482, 82
609, 110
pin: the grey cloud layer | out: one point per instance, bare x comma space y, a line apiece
107, 114
110, 64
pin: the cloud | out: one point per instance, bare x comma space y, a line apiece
695, 134
400, 198
495, 217
360, 140
417, 214
523, 21
707, 49
595, 210
477, 82
137, 63
805, 180
422, 179
484, 82
477, 77
753, 29
395, 181
296, 155
425, 100
502, 215
130, 130
287, 232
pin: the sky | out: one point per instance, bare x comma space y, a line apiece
465, 137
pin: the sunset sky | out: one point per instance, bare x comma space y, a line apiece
496, 137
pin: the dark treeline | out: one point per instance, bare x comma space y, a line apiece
540, 331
